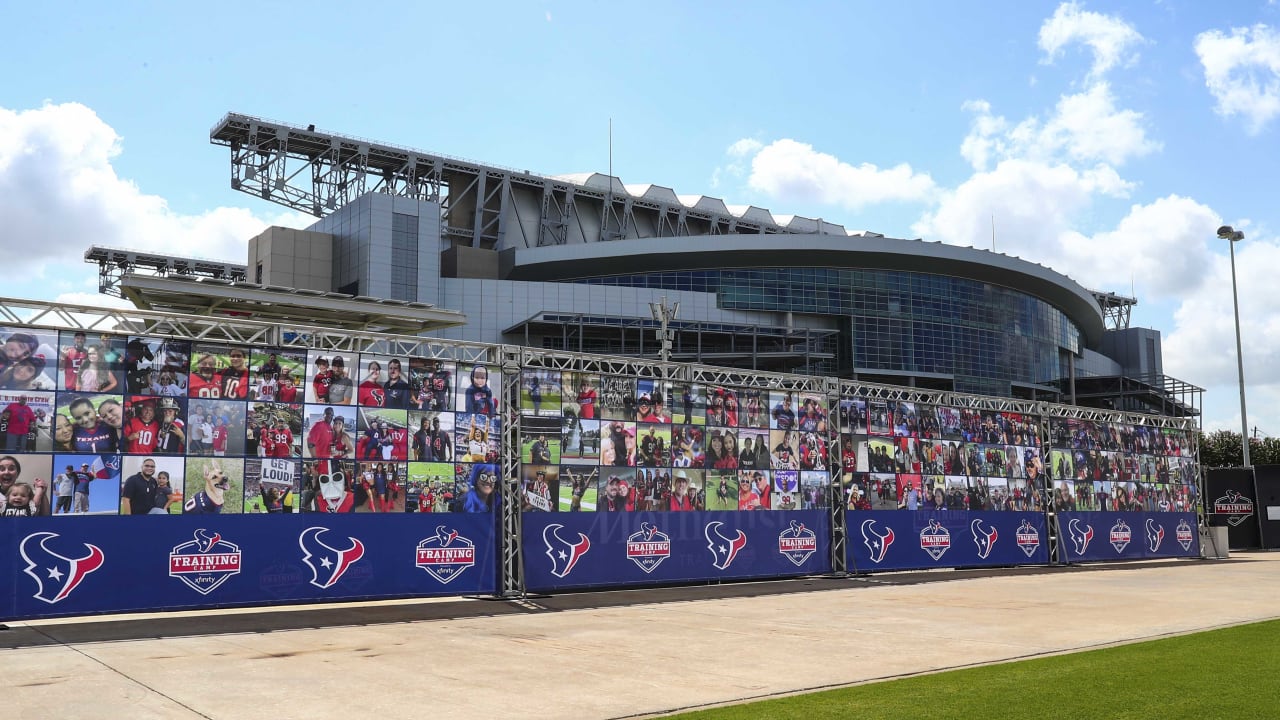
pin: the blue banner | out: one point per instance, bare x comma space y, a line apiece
54, 567
882, 540
1092, 536
578, 550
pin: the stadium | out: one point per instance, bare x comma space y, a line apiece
581, 263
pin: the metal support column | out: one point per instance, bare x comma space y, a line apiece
511, 566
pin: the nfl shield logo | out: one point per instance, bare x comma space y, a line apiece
206, 562
797, 543
649, 547
1184, 535
935, 539
1120, 535
1028, 538
445, 555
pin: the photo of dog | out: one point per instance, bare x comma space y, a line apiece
214, 485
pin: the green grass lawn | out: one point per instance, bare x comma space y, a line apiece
1218, 674
588, 503
553, 446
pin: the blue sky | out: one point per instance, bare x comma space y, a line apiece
1105, 140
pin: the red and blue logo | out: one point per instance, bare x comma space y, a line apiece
1184, 534
648, 547
1155, 535
935, 539
56, 575
1121, 535
1081, 535
986, 541
723, 548
1027, 538
206, 562
797, 543
564, 554
327, 563
445, 555
877, 543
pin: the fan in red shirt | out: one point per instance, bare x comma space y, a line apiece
371, 393
71, 359
142, 431
235, 379
322, 380
220, 437
281, 441
204, 382
288, 391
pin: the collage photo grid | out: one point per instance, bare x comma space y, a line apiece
916, 456
108, 424
608, 443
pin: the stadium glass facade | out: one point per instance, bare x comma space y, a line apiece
985, 336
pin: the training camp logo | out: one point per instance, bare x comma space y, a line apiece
1028, 538
1235, 506
1081, 535
986, 541
723, 548
1184, 534
328, 564
877, 543
445, 555
935, 539
648, 547
564, 554
206, 562
1155, 535
1120, 535
65, 573
797, 543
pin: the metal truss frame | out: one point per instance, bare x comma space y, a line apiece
510, 559
66, 316
318, 172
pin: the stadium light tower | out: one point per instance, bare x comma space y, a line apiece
664, 314
1232, 236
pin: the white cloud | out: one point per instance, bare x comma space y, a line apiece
59, 194
1110, 38
1032, 205
1242, 72
1085, 127
793, 171
1161, 247
1201, 346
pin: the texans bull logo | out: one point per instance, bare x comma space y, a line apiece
723, 548
65, 573
1081, 535
1155, 535
445, 555
983, 539
327, 563
877, 543
564, 554
797, 543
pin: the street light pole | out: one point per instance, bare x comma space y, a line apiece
1232, 236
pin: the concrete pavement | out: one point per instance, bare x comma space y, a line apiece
607, 655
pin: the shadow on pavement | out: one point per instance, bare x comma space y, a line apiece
212, 622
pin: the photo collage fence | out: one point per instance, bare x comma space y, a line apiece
385, 474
